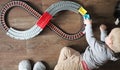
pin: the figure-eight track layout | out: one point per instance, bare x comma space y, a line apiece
43, 19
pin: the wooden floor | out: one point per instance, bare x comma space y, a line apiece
46, 46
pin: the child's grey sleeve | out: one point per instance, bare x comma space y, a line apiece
89, 35
103, 35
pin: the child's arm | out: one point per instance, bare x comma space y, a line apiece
89, 33
103, 32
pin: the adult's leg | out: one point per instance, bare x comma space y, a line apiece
69, 59
67, 53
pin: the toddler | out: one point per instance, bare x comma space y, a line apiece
95, 55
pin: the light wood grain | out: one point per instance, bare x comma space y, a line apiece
47, 45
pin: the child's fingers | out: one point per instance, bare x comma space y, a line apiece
87, 21
103, 27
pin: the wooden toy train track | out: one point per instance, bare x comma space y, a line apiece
43, 20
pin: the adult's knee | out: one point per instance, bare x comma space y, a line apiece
64, 49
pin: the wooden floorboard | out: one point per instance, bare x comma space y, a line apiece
46, 46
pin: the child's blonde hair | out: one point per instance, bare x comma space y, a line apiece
115, 37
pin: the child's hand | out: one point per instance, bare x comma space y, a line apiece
103, 27
87, 21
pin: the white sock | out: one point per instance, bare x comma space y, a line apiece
24, 65
39, 66
117, 21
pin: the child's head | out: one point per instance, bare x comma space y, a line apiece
113, 40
